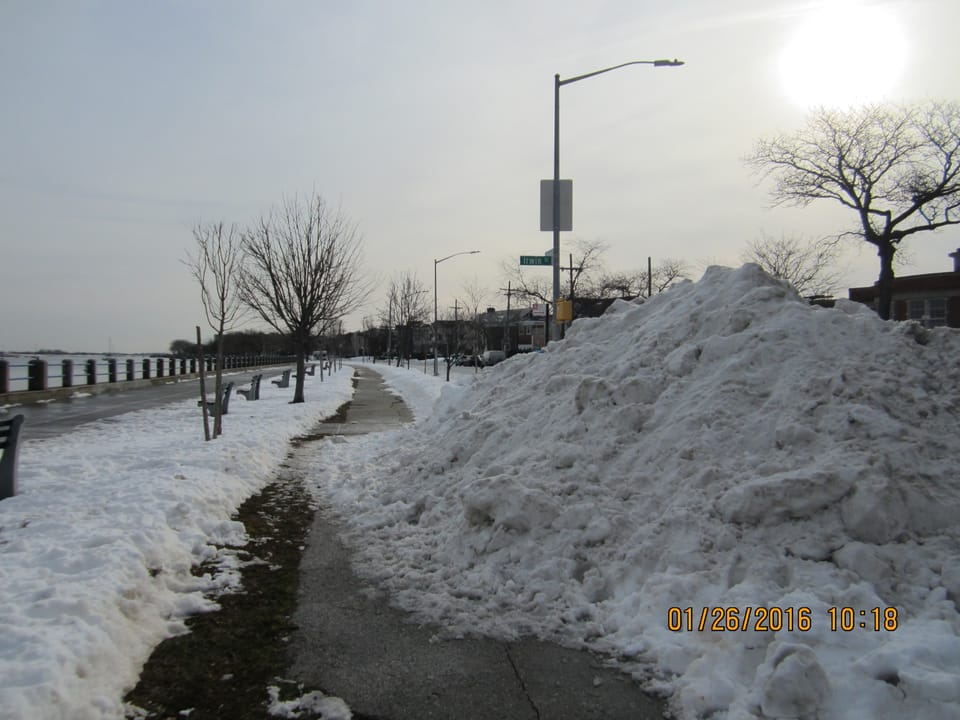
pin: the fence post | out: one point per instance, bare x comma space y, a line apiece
112, 370
91, 371
4, 377
37, 374
131, 375
66, 373
146, 369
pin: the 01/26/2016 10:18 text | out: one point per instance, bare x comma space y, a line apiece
775, 619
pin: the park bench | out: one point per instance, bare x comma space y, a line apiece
9, 433
283, 381
253, 392
225, 403
312, 370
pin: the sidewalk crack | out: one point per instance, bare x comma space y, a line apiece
523, 685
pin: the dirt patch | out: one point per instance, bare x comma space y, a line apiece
224, 665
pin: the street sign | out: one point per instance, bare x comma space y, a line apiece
543, 260
539, 310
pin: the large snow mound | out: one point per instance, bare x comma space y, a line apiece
723, 445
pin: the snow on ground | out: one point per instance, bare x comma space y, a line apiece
97, 547
723, 446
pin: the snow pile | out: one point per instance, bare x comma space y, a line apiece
96, 550
314, 704
724, 445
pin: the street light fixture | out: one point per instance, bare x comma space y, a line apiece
556, 157
436, 371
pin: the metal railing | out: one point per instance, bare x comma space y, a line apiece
38, 374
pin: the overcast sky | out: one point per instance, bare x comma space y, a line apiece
124, 123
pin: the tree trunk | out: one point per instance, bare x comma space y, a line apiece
203, 387
218, 393
885, 251
301, 367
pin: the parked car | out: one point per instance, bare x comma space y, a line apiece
469, 360
492, 357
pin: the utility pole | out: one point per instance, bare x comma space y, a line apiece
506, 320
456, 325
390, 328
571, 268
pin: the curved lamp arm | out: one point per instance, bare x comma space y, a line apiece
464, 252
655, 63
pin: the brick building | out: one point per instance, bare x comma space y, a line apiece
933, 299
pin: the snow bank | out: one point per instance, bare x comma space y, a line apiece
96, 550
724, 445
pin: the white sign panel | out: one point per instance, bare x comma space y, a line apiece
546, 205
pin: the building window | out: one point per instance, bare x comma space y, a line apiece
932, 312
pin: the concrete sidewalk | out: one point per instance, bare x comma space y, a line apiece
351, 643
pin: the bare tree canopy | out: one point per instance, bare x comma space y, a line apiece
805, 265
407, 300
897, 168
407, 303
217, 267
302, 273
638, 283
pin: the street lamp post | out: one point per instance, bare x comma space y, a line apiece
436, 370
557, 83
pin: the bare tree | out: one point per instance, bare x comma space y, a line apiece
804, 264
537, 285
628, 284
302, 273
666, 273
638, 283
407, 305
896, 168
216, 265
473, 298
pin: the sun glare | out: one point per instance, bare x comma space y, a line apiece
845, 53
